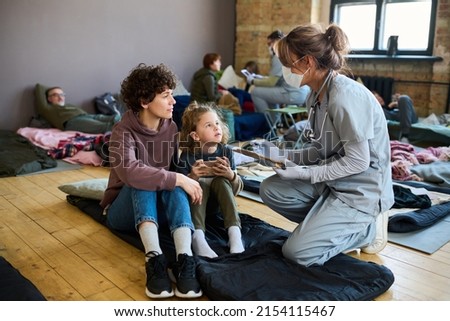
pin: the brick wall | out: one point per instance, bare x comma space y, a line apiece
255, 19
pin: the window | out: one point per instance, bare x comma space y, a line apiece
370, 24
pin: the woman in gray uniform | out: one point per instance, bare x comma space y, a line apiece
340, 197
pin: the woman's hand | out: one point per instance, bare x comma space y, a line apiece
191, 187
294, 171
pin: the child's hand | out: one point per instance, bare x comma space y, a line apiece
200, 169
222, 168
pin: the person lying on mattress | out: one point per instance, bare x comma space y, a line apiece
143, 190
51, 105
400, 109
207, 159
338, 186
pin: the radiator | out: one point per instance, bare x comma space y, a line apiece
382, 85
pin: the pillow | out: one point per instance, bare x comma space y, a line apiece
180, 90
230, 79
91, 188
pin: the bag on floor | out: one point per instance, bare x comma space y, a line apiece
108, 105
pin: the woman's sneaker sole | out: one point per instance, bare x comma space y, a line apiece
189, 295
178, 293
162, 295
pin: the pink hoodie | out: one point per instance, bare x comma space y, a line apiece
140, 157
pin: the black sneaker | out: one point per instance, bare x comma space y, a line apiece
184, 275
158, 281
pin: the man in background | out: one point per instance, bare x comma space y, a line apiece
51, 105
400, 109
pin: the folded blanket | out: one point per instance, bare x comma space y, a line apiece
419, 219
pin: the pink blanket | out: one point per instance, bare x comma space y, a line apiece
403, 156
50, 138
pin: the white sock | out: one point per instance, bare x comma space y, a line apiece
200, 246
235, 239
183, 239
148, 231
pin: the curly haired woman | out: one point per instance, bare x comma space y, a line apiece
142, 188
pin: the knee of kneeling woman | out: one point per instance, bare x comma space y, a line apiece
304, 257
263, 188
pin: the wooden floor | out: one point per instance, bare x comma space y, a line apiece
69, 256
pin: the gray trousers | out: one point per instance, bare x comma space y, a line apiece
265, 98
327, 226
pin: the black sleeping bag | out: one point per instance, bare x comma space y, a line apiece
261, 272
14, 286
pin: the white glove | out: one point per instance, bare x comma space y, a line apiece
250, 76
294, 171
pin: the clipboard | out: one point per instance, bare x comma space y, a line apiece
260, 158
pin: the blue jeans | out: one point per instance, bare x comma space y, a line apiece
134, 206
404, 113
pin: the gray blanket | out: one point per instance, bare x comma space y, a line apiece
437, 173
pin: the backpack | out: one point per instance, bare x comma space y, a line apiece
108, 105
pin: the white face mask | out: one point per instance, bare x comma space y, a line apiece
294, 80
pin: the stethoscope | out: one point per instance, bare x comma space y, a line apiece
308, 132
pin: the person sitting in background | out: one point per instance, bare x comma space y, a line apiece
251, 70
252, 67
253, 78
400, 109
268, 94
205, 87
51, 105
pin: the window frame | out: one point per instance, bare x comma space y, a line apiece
378, 20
